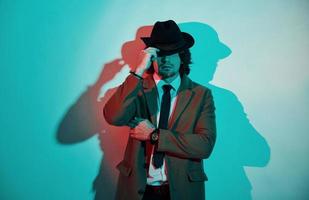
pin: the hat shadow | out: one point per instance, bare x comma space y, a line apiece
238, 143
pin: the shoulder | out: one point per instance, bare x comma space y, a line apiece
198, 88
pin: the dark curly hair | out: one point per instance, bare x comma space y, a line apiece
185, 57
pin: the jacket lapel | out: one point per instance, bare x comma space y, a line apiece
151, 96
184, 96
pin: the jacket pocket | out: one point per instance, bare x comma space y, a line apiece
124, 168
197, 175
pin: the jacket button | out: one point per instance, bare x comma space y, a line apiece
141, 191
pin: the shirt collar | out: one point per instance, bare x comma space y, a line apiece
159, 82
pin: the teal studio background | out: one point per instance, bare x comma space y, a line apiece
60, 60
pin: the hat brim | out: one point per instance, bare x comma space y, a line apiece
170, 49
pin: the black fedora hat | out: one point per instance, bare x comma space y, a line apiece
167, 37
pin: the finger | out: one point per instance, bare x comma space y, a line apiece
131, 124
132, 131
138, 137
152, 49
134, 121
135, 136
153, 58
138, 119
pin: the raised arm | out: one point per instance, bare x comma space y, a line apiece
121, 107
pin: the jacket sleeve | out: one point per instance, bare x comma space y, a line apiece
121, 107
196, 145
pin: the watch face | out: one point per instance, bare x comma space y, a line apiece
154, 136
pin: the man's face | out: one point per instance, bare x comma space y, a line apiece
167, 66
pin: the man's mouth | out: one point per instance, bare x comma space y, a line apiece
167, 66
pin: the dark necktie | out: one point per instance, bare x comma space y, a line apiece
163, 122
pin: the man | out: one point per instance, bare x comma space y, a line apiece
172, 121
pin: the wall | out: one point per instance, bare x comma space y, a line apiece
59, 57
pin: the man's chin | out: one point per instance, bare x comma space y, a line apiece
165, 75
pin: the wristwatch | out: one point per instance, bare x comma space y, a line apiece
154, 137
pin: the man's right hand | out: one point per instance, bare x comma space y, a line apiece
146, 57
142, 129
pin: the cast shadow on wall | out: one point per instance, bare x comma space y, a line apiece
238, 143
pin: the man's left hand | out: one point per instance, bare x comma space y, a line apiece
142, 130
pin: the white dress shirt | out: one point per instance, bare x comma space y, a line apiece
156, 176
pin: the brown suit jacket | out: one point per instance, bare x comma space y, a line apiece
189, 139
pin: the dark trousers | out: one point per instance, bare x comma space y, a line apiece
157, 192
